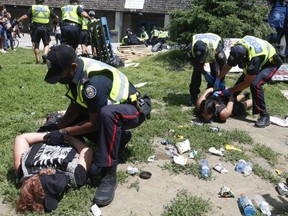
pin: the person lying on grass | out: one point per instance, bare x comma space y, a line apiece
219, 109
47, 170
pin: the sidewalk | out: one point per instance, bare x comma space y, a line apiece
25, 42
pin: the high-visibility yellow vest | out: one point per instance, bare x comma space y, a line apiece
257, 47
120, 86
69, 12
84, 23
40, 14
211, 40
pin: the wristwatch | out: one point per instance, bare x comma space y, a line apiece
65, 133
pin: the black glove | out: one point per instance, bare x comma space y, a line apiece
54, 138
144, 104
49, 126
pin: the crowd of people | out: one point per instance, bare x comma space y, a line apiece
105, 105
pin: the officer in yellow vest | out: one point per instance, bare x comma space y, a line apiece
154, 36
205, 48
112, 102
40, 15
72, 20
259, 61
84, 36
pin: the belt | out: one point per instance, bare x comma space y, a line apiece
71, 24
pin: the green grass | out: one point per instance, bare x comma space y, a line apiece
26, 100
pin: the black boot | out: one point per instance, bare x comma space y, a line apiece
105, 192
263, 121
192, 101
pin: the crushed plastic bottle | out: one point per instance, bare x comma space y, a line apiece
240, 166
248, 169
246, 205
205, 170
262, 205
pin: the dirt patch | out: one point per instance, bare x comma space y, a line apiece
157, 192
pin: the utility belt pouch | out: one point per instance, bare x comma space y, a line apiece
144, 105
277, 61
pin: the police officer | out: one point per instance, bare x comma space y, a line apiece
154, 36
84, 36
71, 18
259, 61
111, 101
39, 14
205, 48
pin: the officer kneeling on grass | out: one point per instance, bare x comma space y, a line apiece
112, 102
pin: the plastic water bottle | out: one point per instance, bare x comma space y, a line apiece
246, 205
240, 166
205, 170
262, 205
248, 169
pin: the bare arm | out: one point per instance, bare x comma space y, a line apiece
203, 97
226, 113
22, 18
86, 15
22, 143
85, 152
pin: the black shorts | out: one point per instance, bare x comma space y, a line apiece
70, 34
83, 37
238, 108
41, 33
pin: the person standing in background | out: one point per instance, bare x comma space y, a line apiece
278, 21
40, 15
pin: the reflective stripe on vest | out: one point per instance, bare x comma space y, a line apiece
40, 14
120, 86
257, 47
84, 23
211, 40
69, 12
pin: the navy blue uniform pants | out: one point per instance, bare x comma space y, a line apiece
70, 34
113, 120
256, 87
196, 78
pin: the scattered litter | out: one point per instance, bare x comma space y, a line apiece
180, 160
129, 64
230, 147
171, 150
220, 168
165, 142
171, 131
183, 146
285, 93
139, 85
197, 123
279, 121
193, 154
21, 87
32, 113
145, 175
96, 210
214, 128
132, 170
151, 158
226, 192
136, 65
282, 188
214, 151
180, 137
278, 172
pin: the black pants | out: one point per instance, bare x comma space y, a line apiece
196, 78
70, 34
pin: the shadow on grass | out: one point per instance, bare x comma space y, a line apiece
12, 178
175, 58
177, 99
279, 207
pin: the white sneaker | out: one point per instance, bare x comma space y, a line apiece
3, 51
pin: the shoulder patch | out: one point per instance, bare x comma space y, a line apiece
220, 55
90, 91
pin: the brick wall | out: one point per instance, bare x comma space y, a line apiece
150, 6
